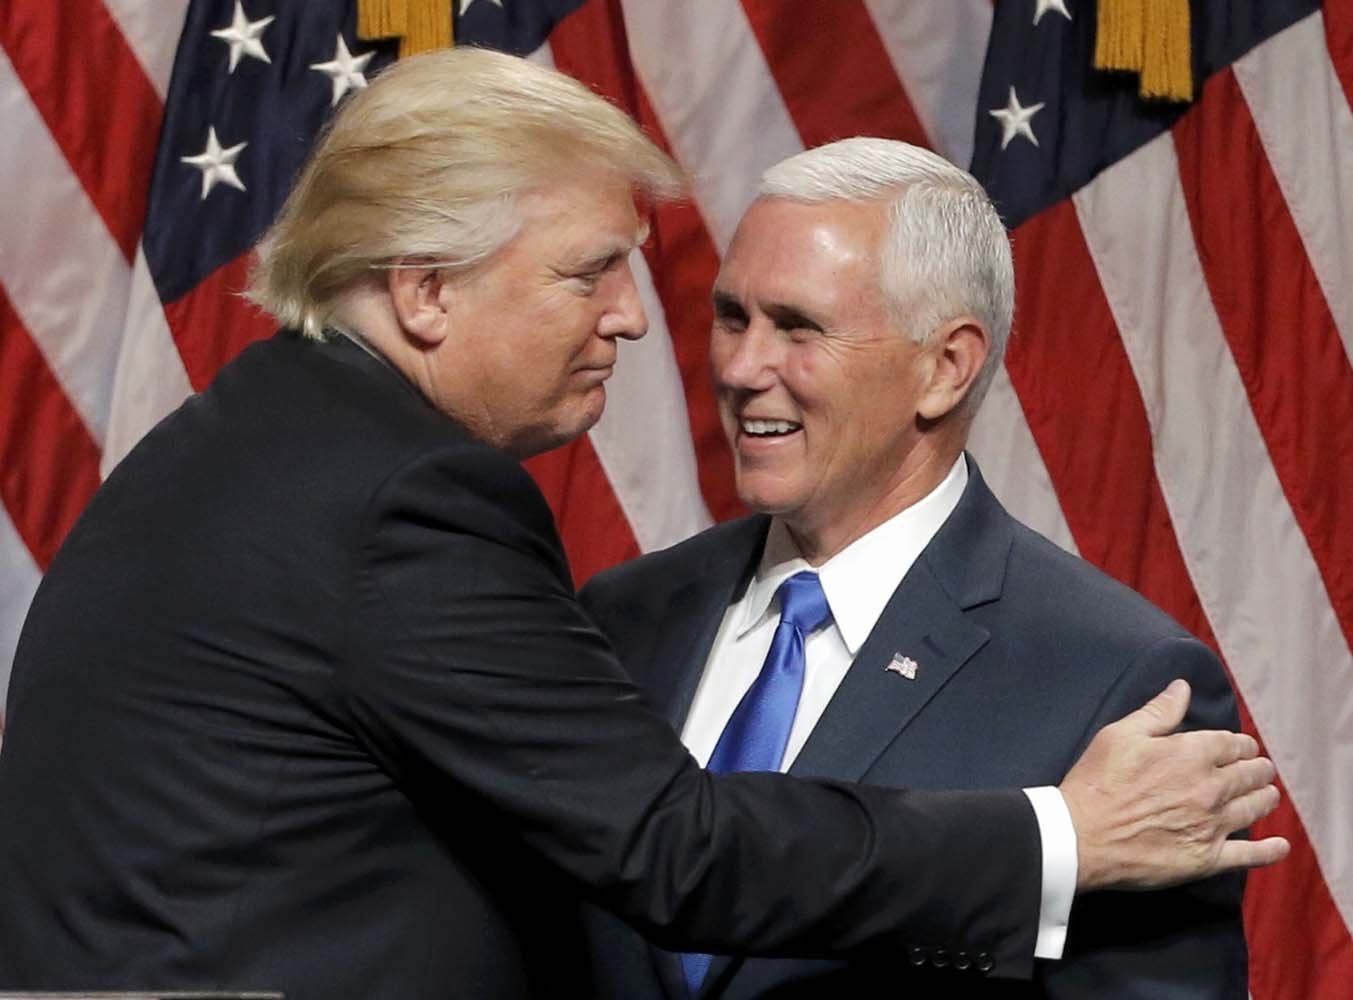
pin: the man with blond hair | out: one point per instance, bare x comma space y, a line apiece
859, 316
306, 702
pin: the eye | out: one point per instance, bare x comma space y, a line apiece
586, 284
730, 323
796, 325
729, 314
586, 280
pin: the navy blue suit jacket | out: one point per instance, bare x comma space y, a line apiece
1024, 653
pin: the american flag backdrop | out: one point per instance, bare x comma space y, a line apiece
1176, 406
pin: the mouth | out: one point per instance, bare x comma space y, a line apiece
597, 372
767, 429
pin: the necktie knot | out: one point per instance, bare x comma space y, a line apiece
803, 603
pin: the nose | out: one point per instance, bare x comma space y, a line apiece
745, 359
624, 316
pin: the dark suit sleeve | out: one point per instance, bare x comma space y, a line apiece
1185, 943
474, 677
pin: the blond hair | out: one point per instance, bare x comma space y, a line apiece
427, 163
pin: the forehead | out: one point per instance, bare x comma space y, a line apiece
579, 216
781, 246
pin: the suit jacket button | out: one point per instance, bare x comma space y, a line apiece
962, 961
984, 963
939, 958
917, 955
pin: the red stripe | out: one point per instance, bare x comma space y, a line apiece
1299, 946
591, 45
1277, 322
1088, 419
833, 71
213, 323
49, 463
97, 101
593, 526
1339, 39
1091, 428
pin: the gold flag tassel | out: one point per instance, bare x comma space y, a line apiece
1150, 38
420, 25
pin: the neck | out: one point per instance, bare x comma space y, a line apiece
821, 535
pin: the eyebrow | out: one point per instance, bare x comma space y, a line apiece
727, 306
790, 317
613, 251
783, 315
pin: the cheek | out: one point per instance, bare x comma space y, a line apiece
814, 378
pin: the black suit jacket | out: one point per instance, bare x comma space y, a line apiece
306, 702
1024, 653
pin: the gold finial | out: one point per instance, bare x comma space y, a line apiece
420, 25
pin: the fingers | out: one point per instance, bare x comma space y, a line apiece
1245, 776
1218, 747
1163, 713
1252, 853
1235, 746
1246, 810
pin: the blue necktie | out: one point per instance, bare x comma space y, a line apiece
758, 730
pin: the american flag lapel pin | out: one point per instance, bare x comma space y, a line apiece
903, 665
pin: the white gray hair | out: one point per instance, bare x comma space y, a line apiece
946, 251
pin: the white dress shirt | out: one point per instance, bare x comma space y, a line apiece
858, 582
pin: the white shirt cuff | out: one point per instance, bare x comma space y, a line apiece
1058, 835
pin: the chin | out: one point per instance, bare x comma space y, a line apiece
765, 498
565, 427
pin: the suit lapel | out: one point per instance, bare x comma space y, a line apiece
925, 620
688, 624
873, 704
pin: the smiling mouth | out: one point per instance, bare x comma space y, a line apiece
768, 428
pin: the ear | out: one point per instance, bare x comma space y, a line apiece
421, 299
958, 350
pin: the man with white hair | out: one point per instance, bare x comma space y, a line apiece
881, 618
306, 702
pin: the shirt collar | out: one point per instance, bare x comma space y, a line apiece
361, 342
858, 580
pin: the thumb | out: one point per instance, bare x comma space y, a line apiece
1163, 713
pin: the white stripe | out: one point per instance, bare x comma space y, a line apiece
64, 274
644, 440
1303, 118
937, 50
1250, 564
152, 32
150, 379
707, 78
1012, 465
18, 580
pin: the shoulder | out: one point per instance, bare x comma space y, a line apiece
1049, 583
650, 577
468, 488
349, 441
1068, 613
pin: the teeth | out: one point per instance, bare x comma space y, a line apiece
769, 426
